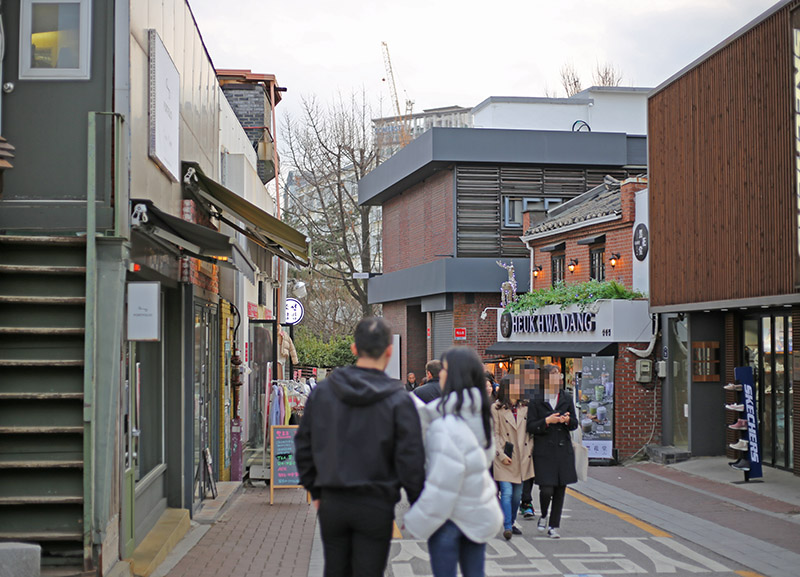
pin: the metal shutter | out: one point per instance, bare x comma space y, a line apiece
442, 336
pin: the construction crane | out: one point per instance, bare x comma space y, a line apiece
402, 119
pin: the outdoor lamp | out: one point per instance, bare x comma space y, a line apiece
614, 259
536, 270
573, 262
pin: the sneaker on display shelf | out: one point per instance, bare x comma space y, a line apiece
732, 387
741, 465
740, 425
740, 446
735, 407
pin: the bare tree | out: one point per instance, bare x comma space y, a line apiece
606, 75
330, 148
570, 79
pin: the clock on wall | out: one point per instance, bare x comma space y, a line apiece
294, 311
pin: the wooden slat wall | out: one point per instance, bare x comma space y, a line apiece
479, 191
721, 173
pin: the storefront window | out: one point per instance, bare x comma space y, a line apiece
54, 39
148, 398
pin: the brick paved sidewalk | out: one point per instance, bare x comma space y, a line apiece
254, 538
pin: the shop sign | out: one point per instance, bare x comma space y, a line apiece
595, 406
602, 321
165, 86
641, 241
429, 332
252, 310
460, 334
294, 311
745, 376
144, 311
547, 323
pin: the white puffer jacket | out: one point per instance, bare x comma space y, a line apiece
458, 486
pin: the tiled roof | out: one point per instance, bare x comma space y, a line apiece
601, 201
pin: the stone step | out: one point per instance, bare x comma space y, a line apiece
41, 396
40, 363
41, 270
43, 300
42, 536
56, 464
60, 331
49, 500
42, 240
41, 430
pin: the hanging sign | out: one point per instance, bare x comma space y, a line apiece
144, 311
165, 90
294, 311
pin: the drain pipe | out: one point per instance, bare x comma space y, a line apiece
644, 353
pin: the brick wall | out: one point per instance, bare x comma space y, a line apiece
634, 406
480, 333
618, 240
250, 104
418, 224
395, 314
198, 272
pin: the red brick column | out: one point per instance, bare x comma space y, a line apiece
634, 405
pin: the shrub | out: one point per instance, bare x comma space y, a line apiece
582, 294
314, 351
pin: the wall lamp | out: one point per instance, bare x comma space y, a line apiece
614, 259
537, 268
573, 262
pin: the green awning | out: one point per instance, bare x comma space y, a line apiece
259, 226
195, 240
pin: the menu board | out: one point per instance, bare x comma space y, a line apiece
283, 470
595, 406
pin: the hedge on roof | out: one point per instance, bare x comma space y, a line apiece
581, 294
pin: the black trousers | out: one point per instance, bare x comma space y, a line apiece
356, 535
548, 494
527, 491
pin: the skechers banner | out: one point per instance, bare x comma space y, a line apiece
547, 323
745, 376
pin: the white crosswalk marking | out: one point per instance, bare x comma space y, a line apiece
694, 555
624, 566
662, 563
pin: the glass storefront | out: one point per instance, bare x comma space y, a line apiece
767, 347
678, 377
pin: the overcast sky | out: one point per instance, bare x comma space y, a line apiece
461, 52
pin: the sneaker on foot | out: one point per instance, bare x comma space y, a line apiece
735, 407
515, 530
507, 534
542, 523
552, 532
740, 425
740, 446
527, 511
732, 387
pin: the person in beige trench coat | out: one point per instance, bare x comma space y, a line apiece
510, 415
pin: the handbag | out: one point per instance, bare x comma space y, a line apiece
581, 454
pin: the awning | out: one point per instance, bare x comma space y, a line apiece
552, 349
198, 241
594, 239
559, 246
259, 226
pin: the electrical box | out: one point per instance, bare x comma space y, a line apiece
644, 371
661, 369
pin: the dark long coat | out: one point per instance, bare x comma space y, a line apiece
553, 457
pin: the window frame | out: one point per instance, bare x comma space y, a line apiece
596, 262
83, 71
557, 271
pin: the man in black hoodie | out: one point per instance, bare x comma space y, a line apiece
359, 441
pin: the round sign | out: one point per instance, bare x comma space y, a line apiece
641, 241
505, 324
294, 311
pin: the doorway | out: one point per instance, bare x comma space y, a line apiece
767, 347
676, 407
205, 393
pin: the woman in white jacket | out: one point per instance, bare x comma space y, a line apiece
458, 511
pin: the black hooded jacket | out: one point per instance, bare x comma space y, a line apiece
360, 433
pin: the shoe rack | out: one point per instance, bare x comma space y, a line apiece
740, 425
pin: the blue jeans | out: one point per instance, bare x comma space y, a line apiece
449, 547
510, 497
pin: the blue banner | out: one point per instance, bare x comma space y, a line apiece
745, 376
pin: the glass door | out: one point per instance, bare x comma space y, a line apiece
678, 375
767, 344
